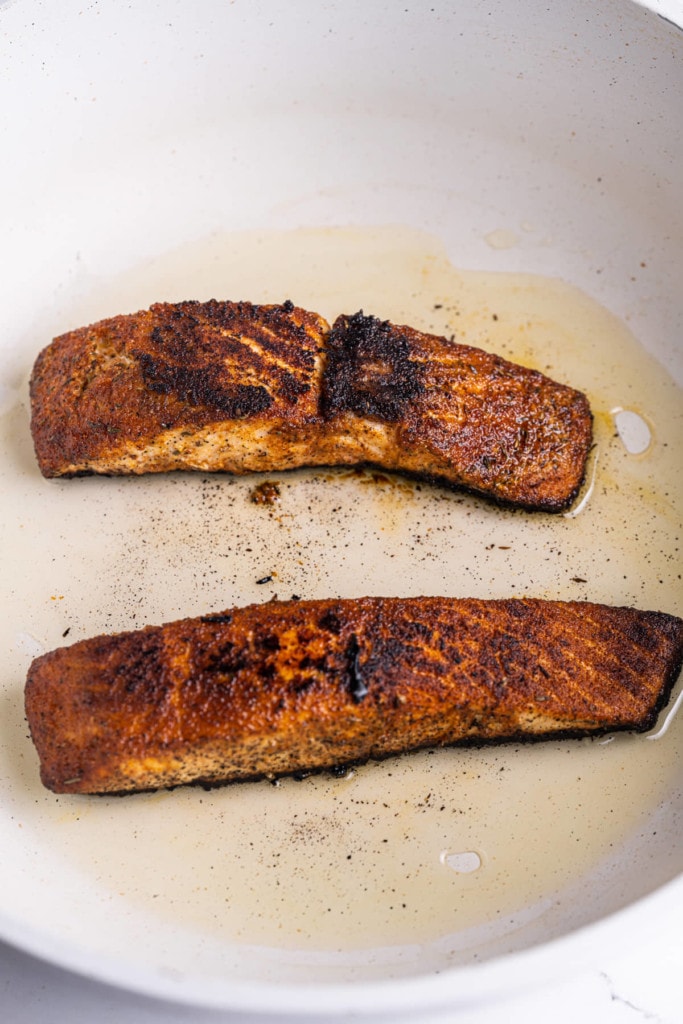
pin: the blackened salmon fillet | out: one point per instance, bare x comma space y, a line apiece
238, 387
285, 687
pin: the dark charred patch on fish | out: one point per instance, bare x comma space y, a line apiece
141, 666
203, 386
304, 684
369, 369
267, 672
269, 642
330, 622
215, 327
420, 630
228, 660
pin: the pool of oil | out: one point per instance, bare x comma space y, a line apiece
416, 848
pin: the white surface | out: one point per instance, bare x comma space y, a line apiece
643, 986
645, 982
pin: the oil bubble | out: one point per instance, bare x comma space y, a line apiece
463, 863
634, 432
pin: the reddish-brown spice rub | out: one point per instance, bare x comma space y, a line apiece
285, 687
236, 387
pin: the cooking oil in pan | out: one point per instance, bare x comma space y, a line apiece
467, 844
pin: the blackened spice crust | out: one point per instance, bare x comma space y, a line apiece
202, 387
292, 686
369, 371
239, 387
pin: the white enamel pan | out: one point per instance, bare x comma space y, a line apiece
423, 160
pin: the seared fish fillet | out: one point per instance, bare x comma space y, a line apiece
284, 687
245, 388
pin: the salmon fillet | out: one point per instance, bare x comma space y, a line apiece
284, 687
241, 388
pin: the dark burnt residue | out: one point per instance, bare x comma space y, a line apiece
369, 370
266, 493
